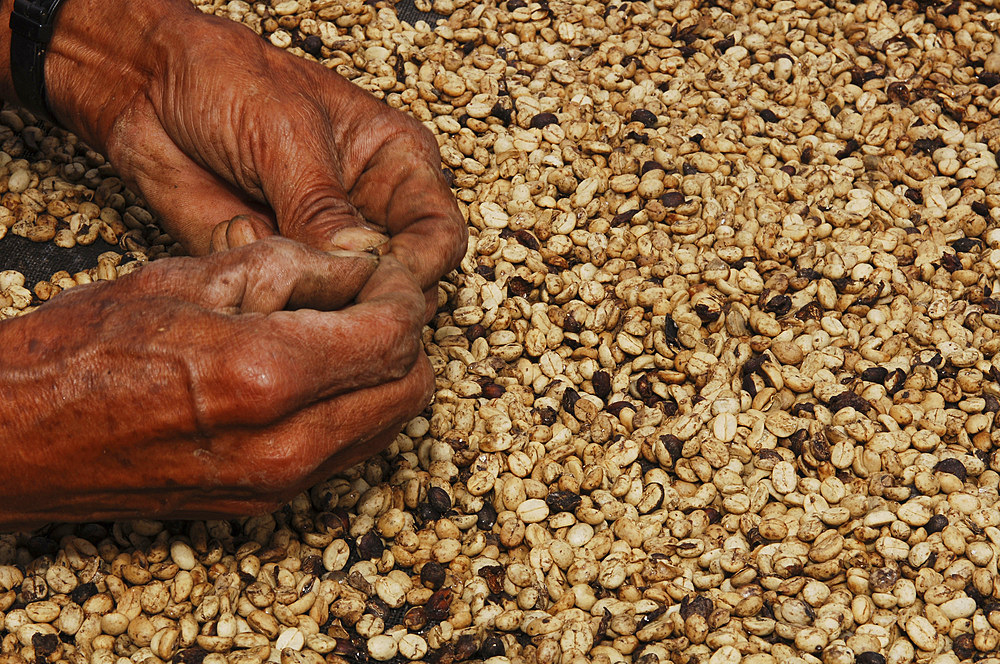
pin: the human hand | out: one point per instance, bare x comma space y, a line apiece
208, 121
188, 390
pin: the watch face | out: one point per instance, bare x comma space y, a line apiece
33, 19
30, 32
29, 8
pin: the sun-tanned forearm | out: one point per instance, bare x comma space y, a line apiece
218, 385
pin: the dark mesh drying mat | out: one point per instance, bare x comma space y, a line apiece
406, 11
38, 261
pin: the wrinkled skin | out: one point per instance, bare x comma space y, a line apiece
188, 389
211, 122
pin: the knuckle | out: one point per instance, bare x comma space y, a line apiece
275, 250
271, 248
272, 244
260, 384
159, 276
405, 357
265, 264
254, 258
415, 135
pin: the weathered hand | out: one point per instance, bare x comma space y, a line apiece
209, 121
203, 386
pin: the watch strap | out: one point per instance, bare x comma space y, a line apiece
31, 25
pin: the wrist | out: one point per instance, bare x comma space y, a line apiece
102, 56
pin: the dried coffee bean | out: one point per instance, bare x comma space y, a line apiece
672, 199
767, 115
415, 619
697, 605
623, 218
370, 546
647, 118
493, 391
45, 645
425, 512
569, 399
648, 166
869, 657
486, 517
953, 466
465, 648
439, 499
432, 574
546, 415
493, 574
542, 120
83, 592
967, 245
963, 646
563, 501
527, 239
519, 286
602, 384
313, 45
492, 646
437, 605
874, 374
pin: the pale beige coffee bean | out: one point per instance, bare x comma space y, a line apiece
533, 510
412, 646
922, 633
783, 477
183, 555
382, 647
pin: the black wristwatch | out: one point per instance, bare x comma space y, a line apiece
31, 25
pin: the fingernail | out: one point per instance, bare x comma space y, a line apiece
359, 239
344, 253
241, 232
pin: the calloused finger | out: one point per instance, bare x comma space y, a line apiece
302, 278
263, 277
